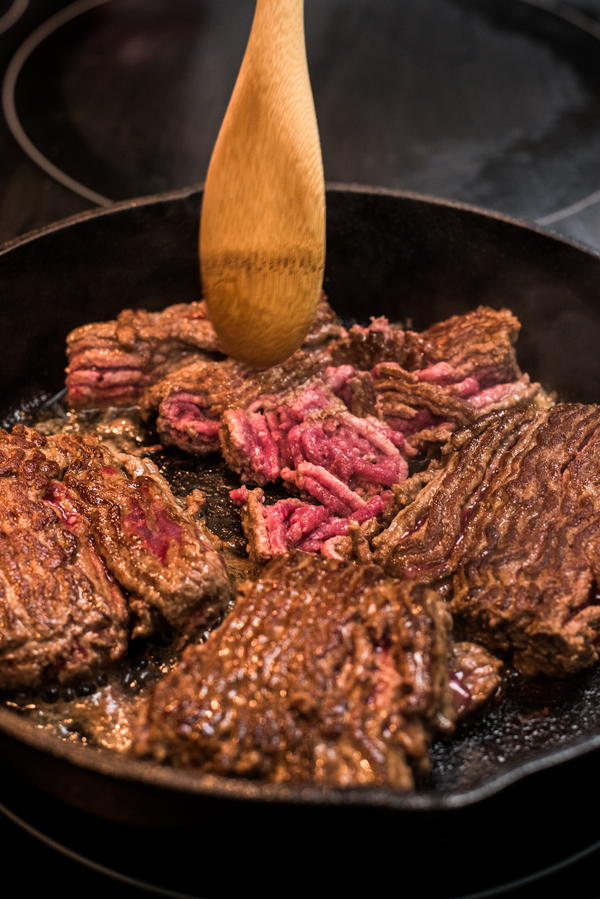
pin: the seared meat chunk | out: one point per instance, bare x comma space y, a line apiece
325, 671
61, 613
464, 368
112, 363
380, 341
150, 544
426, 406
426, 385
192, 401
478, 344
92, 543
511, 523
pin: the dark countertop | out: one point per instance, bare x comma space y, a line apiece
491, 102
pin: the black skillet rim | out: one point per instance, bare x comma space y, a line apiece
122, 768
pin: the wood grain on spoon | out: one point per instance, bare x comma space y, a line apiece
262, 234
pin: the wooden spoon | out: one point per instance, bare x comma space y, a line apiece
262, 233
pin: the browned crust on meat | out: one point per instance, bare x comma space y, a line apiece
61, 614
143, 345
475, 676
114, 362
513, 519
180, 577
481, 340
92, 544
325, 671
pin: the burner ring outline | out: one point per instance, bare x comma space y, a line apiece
561, 10
12, 15
37, 36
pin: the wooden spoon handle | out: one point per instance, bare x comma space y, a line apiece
262, 234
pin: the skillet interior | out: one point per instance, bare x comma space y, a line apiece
388, 254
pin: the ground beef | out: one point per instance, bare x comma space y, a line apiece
511, 524
309, 429
292, 523
325, 672
113, 363
93, 548
428, 405
192, 401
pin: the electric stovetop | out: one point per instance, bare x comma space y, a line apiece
491, 102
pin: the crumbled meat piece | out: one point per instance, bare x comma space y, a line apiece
325, 672
192, 401
475, 676
294, 524
363, 347
426, 385
308, 429
478, 344
428, 405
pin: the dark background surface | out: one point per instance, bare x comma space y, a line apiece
492, 102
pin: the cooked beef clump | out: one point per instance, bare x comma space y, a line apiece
478, 344
113, 363
308, 434
192, 400
457, 371
93, 548
427, 406
475, 676
293, 523
325, 672
511, 524
61, 613
380, 341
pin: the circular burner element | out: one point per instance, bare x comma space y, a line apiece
12, 15
494, 102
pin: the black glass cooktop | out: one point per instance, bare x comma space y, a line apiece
492, 102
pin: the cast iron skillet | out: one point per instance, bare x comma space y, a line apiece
509, 790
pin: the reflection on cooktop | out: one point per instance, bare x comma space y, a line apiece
493, 103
